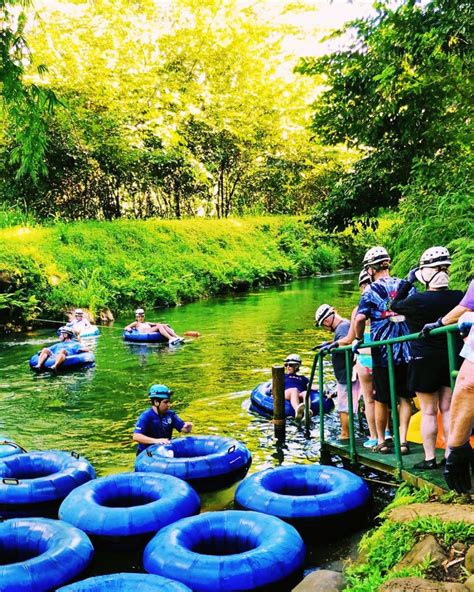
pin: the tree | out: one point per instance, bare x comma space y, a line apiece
399, 93
24, 106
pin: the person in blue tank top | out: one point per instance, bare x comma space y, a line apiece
155, 425
67, 346
375, 305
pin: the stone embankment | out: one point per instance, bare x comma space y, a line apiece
451, 570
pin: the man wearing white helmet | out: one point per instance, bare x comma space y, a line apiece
143, 326
375, 305
428, 371
326, 316
67, 346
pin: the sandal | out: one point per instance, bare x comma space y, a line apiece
404, 448
384, 448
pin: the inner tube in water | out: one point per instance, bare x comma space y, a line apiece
320, 501
137, 337
228, 551
92, 331
39, 555
262, 401
119, 508
35, 483
72, 362
126, 582
207, 463
8, 447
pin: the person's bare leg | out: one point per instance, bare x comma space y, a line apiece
429, 422
444, 404
381, 417
344, 419
44, 355
367, 388
293, 396
462, 409
60, 357
405, 414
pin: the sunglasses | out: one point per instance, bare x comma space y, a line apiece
291, 365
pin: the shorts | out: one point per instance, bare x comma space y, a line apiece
381, 383
428, 374
365, 360
342, 401
467, 351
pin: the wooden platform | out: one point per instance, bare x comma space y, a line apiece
387, 463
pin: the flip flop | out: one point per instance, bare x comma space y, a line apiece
404, 449
384, 448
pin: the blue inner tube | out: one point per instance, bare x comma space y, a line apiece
227, 551
205, 462
129, 504
308, 497
262, 401
9, 447
40, 554
137, 337
35, 483
126, 582
92, 331
72, 362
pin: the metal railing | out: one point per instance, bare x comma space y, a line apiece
450, 330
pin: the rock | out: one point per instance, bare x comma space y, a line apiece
420, 585
446, 512
427, 546
469, 561
469, 583
322, 580
106, 315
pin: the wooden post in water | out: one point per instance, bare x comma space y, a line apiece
278, 392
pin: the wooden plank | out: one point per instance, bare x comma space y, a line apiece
386, 463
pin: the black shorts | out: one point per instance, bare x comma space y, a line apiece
381, 383
428, 374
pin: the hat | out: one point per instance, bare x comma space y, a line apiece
159, 391
139, 311
79, 311
66, 331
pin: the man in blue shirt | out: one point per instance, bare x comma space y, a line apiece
375, 304
67, 346
155, 425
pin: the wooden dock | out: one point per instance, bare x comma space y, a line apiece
387, 463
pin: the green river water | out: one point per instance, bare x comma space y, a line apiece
93, 411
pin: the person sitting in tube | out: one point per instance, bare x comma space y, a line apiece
67, 346
142, 326
79, 323
296, 385
155, 425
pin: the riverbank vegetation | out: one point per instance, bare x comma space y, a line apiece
117, 111
122, 264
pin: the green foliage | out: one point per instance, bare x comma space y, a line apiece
123, 264
400, 93
384, 547
437, 210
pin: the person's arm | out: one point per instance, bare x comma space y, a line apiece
453, 315
131, 326
142, 439
187, 428
349, 338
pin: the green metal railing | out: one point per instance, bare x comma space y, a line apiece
347, 350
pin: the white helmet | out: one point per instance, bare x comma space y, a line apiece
293, 359
435, 257
375, 255
139, 311
323, 312
79, 311
364, 277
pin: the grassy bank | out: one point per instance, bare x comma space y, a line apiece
125, 263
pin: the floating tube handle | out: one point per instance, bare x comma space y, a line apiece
14, 444
231, 449
149, 453
11, 481
75, 454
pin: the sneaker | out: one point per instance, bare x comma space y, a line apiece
299, 412
426, 465
175, 341
388, 435
370, 443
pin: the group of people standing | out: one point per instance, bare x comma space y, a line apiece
394, 308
